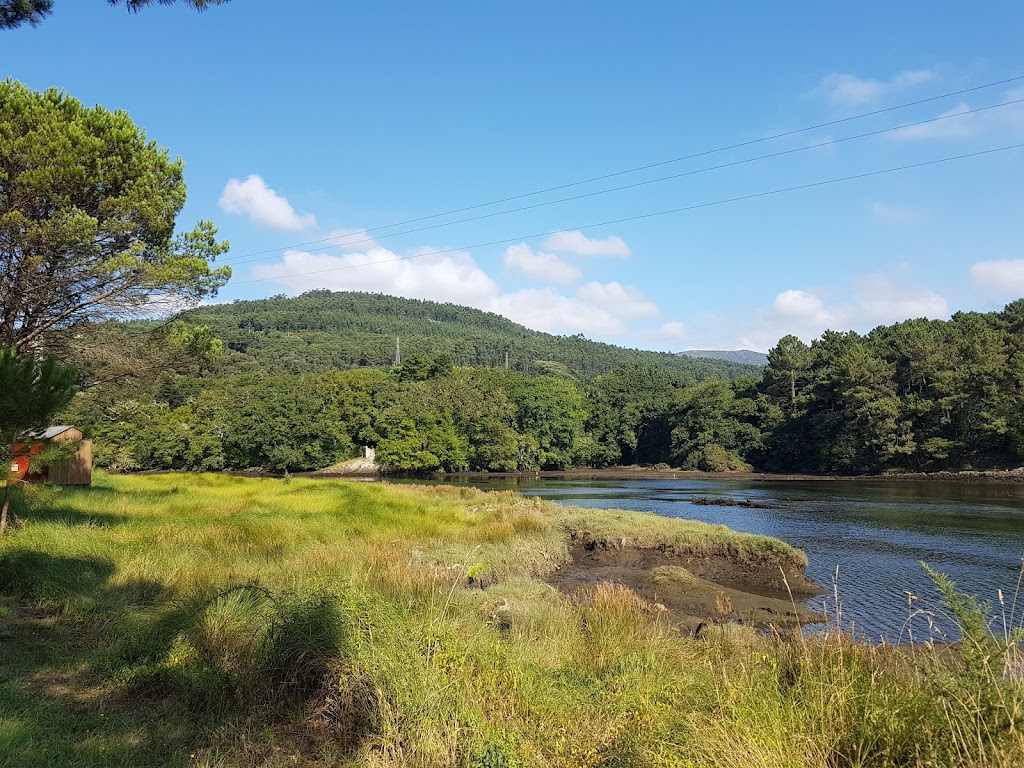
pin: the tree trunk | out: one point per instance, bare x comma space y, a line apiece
7, 503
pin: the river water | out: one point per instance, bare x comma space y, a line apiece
876, 533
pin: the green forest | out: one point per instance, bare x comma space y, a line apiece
303, 383
324, 330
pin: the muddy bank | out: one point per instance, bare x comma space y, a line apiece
694, 588
636, 473
703, 501
367, 469
963, 476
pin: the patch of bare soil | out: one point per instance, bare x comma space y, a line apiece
694, 588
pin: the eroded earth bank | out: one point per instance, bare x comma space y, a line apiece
696, 575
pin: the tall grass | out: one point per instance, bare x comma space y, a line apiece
210, 620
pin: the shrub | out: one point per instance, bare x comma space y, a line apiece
493, 754
715, 458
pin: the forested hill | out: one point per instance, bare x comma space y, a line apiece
322, 330
744, 356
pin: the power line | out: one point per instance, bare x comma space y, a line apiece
660, 179
769, 193
658, 164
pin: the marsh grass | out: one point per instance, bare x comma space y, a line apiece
201, 620
647, 530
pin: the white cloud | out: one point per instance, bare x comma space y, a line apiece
894, 214
880, 299
912, 77
850, 90
1001, 278
580, 244
543, 266
352, 240
672, 331
874, 300
453, 277
957, 123
263, 205
622, 300
845, 90
960, 123
794, 311
597, 309
801, 306
545, 309
1012, 117
798, 312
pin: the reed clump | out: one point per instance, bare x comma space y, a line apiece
200, 620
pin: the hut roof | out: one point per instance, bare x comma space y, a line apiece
49, 433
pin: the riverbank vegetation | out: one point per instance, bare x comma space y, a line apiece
919, 396
202, 620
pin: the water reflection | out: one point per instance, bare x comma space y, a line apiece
875, 532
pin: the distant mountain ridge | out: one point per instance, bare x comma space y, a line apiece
325, 330
741, 356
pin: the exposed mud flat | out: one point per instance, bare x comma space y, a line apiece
961, 476
703, 501
694, 588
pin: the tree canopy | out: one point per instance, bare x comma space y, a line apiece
87, 221
324, 330
14, 13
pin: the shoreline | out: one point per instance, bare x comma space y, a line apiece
695, 589
1010, 476
695, 573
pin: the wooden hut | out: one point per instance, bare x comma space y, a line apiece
76, 470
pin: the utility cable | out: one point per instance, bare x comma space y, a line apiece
658, 180
769, 193
658, 164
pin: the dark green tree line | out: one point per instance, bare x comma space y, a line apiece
919, 395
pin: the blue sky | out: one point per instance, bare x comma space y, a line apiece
353, 116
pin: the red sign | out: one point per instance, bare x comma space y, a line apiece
22, 456
19, 467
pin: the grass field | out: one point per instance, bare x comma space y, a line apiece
207, 620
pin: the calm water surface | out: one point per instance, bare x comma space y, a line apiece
875, 533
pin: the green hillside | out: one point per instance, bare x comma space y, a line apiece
321, 330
